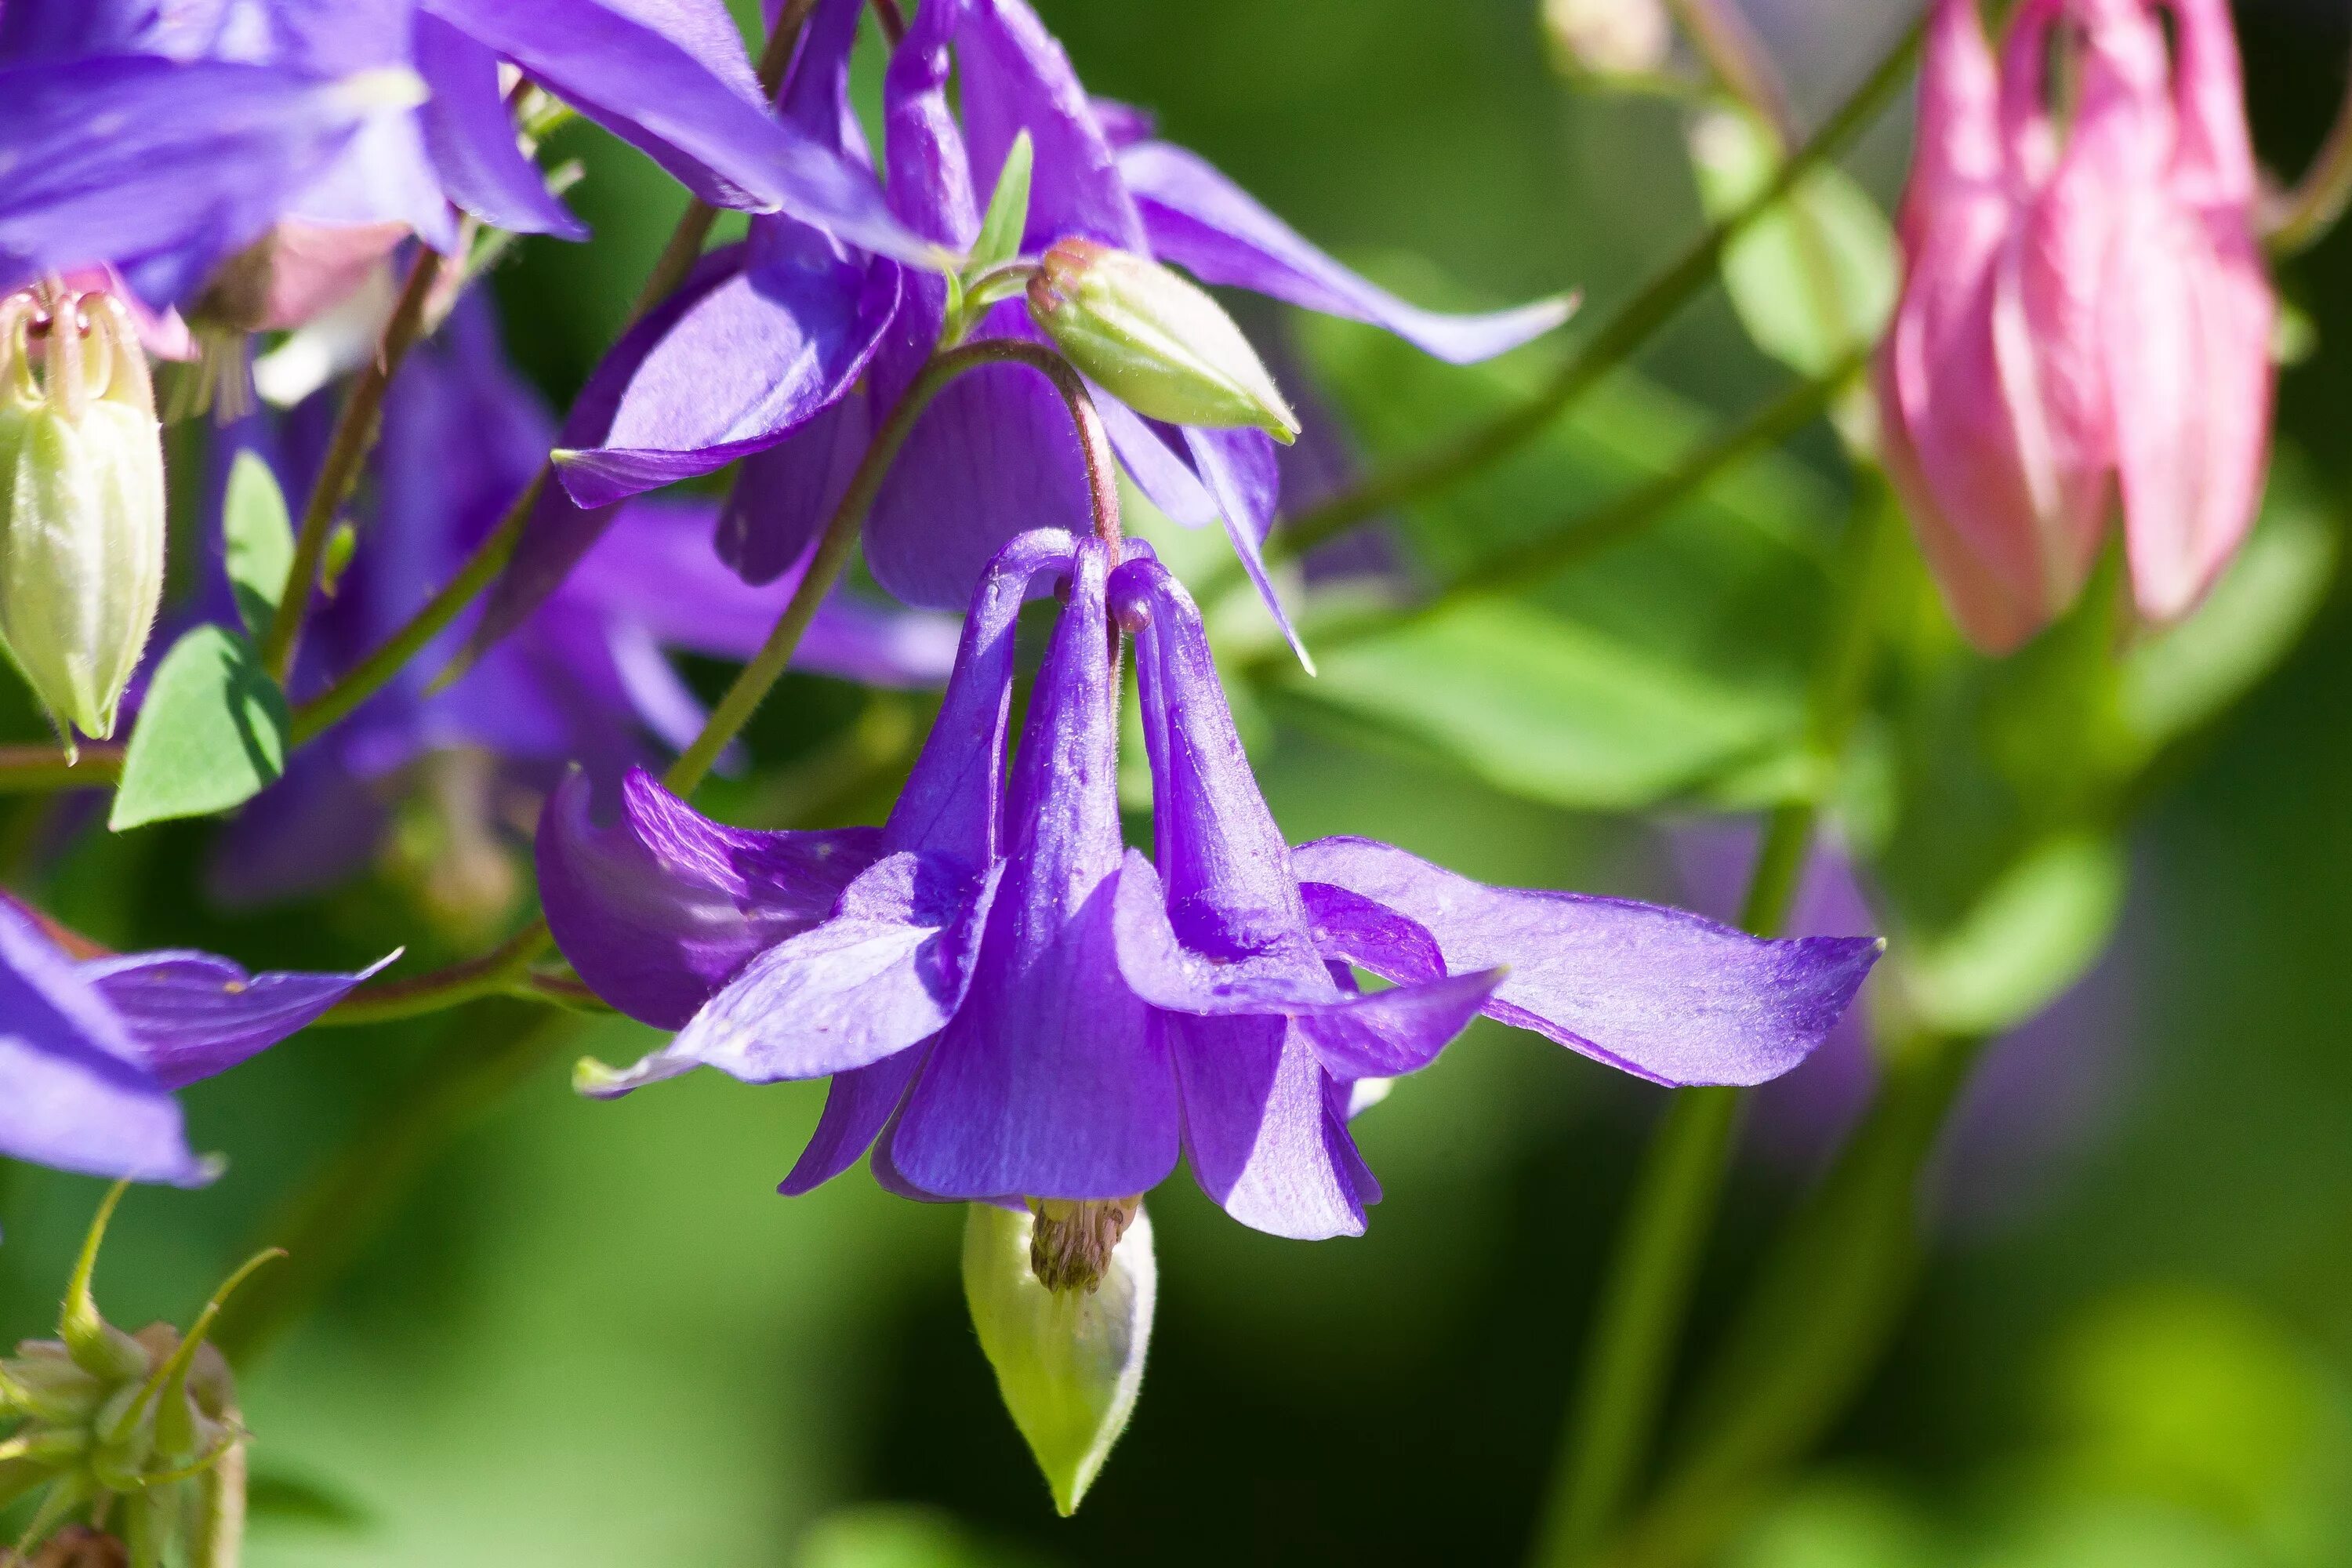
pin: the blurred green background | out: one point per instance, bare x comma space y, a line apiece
587, 1333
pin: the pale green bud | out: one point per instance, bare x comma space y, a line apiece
1156, 342
1069, 1362
1608, 37
82, 506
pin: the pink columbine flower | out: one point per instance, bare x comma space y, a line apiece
2083, 311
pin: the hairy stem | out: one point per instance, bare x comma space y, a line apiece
840, 536
1646, 1298
36, 770
347, 451
1656, 304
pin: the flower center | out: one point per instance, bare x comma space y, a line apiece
1070, 1242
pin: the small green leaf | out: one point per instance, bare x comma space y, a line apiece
261, 540
211, 733
1549, 710
1008, 211
1813, 280
2033, 934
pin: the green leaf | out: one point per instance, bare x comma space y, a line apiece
1549, 709
261, 540
1814, 280
895, 1535
1008, 211
2034, 934
2189, 674
212, 733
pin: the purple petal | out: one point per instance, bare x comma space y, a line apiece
649, 77
783, 497
816, 94
1390, 1033
1285, 978
992, 455
1259, 1131
1123, 124
1202, 221
1240, 469
1663, 994
662, 907
162, 168
470, 135
1017, 77
1347, 923
1166, 478
1047, 1083
194, 1016
560, 531
383, 177
931, 177
73, 1091
743, 367
857, 1108
884, 973
952, 800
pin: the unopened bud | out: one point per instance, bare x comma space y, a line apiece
1608, 37
82, 504
1158, 343
1069, 1362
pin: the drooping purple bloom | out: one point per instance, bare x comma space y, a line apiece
169, 137
1012, 1005
91, 1049
588, 680
994, 452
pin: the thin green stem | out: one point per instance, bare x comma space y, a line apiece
1647, 1299
347, 451
504, 971
840, 537
2312, 208
1626, 331
1814, 1324
371, 674
37, 769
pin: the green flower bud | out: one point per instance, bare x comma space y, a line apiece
81, 504
1153, 341
1608, 38
1068, 1361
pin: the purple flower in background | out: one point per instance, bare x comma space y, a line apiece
820, 356
93, 1049
163, 139
588, 680
1051, 1017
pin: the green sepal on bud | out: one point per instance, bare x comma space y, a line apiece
82, 504
1068, 1361
140, 1429
1156, 342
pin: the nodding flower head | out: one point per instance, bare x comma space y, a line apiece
2084, 313
81, 501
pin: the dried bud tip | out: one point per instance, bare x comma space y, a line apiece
1070, 1244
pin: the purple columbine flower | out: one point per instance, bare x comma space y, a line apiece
1050, 1017
588, 680
162, 139
815, 369
91, 1048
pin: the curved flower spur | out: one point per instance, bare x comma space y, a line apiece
1053, 1019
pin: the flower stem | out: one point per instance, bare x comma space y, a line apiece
1633, 324
2308, 212
1647, 1295
371, 674
840, 537
504, 971
35, 770
347, 451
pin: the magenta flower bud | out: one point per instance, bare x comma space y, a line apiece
2084, 313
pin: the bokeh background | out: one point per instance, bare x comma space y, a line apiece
592, 1334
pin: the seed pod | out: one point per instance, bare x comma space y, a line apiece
81, 505
1069, 1362
1158, 343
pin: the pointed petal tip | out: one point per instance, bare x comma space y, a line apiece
593, 1079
